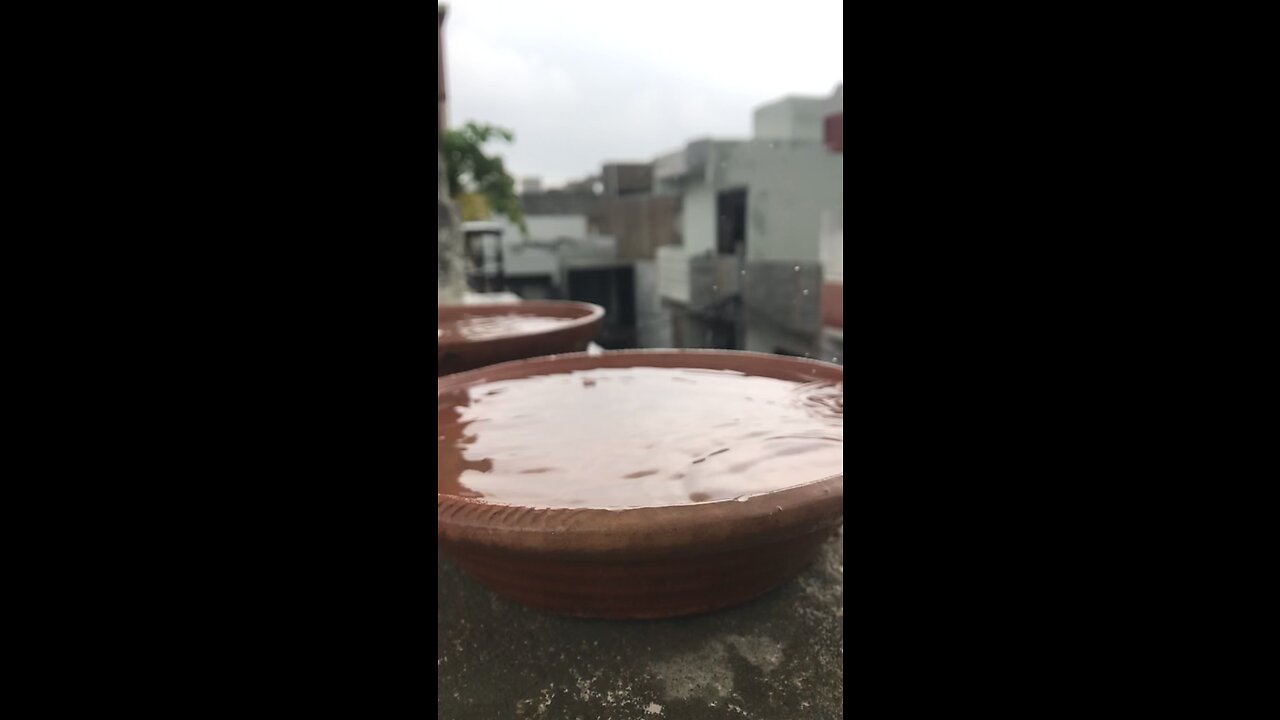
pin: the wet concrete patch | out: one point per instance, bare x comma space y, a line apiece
779, 656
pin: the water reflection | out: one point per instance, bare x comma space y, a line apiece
453, 440
632, 437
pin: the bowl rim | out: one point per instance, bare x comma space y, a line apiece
720, 525
593, 314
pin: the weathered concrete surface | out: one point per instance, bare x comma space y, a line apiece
451, 279
779, 657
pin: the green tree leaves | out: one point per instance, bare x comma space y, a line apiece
469, 169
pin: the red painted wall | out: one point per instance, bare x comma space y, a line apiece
833, 292
833, 132
833, 304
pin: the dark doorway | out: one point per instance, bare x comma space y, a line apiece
612, 287
731, 222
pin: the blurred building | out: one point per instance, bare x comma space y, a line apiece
833, 252
619, 202
617, 209
722, 243
748, 271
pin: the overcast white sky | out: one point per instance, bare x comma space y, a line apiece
582, 82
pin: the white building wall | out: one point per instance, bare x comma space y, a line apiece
554, 227
543, 228
795, 118
698, 223
653, 320
772, 122
673, 273
543, 253
526, 260
789, 187
832, 246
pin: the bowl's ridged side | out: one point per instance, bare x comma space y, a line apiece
456, 357
460, 358
645, 562
681, 584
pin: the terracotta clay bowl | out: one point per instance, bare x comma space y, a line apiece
512, 331
650, 561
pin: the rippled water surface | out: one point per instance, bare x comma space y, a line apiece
485, 327
636, 437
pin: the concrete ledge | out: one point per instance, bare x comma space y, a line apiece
779, 657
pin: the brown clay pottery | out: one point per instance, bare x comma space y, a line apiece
472, 336
639, 484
